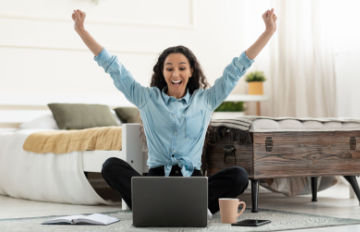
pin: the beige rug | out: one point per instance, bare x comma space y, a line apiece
281, 220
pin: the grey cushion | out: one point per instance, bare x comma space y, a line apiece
81, 116
127, 114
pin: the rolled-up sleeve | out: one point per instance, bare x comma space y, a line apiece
123, 79
226, 83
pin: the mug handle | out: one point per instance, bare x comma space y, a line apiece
242, 209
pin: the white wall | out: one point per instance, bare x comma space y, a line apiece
42, 57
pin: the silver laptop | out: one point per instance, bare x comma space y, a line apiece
169, 201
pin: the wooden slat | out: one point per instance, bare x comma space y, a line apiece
306, 154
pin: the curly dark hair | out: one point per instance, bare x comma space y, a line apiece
197, 80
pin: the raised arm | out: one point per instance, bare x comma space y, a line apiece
237, 68
269, 18
79, 17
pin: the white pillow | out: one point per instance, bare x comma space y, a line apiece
43, 122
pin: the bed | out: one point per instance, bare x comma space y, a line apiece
56, 177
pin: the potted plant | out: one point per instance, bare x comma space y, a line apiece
255, 82
228, 110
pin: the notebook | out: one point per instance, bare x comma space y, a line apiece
94, 219
169, 201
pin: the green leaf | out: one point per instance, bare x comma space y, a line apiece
255, 76
228, 106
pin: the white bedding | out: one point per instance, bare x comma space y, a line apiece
44, 177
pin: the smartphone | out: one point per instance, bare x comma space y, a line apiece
251, 222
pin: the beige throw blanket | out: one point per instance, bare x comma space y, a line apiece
59, 142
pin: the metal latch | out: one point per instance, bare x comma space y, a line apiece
352, 143
268, 144
229, 151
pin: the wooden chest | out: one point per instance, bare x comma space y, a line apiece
286, 148
282, 154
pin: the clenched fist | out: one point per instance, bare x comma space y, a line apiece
79, 17
269, 18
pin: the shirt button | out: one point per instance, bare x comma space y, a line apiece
172, 155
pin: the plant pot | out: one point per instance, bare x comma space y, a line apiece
255, 88
227, 115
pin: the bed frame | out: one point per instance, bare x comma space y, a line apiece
131, 151
131, 142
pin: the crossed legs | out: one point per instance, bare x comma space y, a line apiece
229, 182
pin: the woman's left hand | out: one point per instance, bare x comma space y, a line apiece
269, 18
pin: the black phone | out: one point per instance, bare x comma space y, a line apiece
251, 222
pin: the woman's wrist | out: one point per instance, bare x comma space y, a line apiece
80, 30
270, 31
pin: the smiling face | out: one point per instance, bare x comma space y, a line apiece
177, 72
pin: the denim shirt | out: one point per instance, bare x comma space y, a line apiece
175, 129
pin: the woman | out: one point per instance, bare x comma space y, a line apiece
175, 112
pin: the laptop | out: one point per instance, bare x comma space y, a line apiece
169, 201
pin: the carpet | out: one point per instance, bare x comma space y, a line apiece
280, 221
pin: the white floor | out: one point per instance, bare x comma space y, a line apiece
334, 202
18, 208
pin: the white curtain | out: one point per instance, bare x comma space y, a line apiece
302, 80
301, 73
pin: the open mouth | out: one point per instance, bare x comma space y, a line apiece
176, 83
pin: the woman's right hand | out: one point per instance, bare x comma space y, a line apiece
79, 17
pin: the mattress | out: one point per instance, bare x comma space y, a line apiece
43, 177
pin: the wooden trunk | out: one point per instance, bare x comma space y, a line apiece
282, 154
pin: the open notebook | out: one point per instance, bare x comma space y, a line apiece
93, 219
